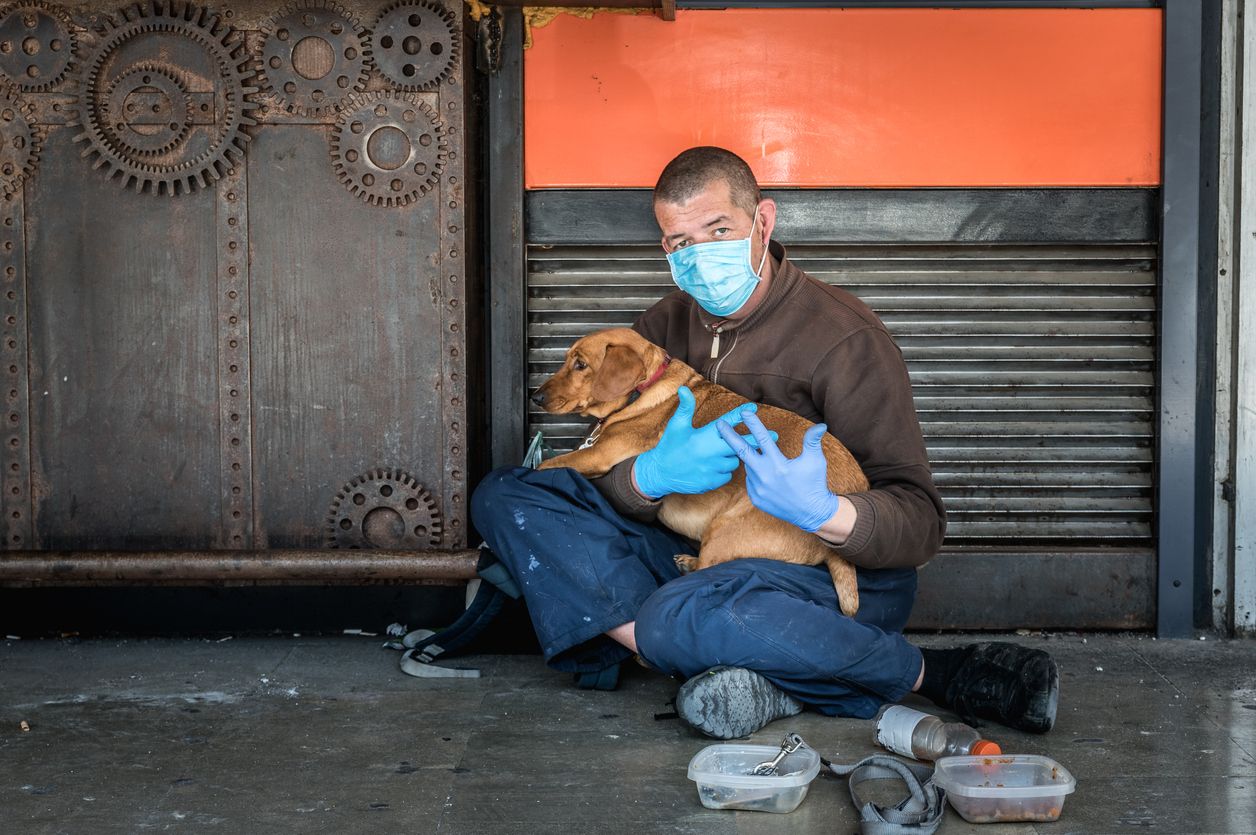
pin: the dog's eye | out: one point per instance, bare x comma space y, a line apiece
579, 365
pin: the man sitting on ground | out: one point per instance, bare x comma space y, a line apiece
756, 639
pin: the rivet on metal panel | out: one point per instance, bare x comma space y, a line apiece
451, 252
235, 428
18, 511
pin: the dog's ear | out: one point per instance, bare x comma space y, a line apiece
620, 370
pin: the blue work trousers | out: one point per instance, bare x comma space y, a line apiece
585, 569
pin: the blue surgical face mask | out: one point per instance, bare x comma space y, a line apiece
717, 273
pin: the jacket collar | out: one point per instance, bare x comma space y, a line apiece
785, 277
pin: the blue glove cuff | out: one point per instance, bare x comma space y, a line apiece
811, 522
645, 475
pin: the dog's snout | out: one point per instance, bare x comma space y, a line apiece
538, 397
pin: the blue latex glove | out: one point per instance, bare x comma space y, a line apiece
688, 459
793, 489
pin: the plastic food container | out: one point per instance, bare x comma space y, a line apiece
1021, 787
722, 773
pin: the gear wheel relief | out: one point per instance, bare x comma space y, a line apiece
37, 43
415, 44
384, 508
19, 143
389, 148
314, 57
255, 276
209, 99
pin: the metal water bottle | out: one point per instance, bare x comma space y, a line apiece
922, 736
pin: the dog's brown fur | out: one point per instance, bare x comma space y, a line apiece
599, 375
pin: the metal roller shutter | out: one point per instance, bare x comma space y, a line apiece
1032, 367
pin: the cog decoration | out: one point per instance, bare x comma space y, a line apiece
162, 128
389, 148
37, 43
315, 56
415, 44
384, 508
19, 143
149, 110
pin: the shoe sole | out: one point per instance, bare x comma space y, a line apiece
732, 702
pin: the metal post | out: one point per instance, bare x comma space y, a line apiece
1244, 569
507, 282
1222, 592
1179, 327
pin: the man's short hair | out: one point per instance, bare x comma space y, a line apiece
695, 169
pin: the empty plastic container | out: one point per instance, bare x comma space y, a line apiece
722, 773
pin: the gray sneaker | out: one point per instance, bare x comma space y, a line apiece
732, 702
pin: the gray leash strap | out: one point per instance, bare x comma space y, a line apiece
920, 813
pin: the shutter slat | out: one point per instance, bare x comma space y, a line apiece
1032, 368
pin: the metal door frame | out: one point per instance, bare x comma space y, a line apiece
1187, 310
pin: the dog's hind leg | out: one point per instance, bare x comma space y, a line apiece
720, 543
846, 583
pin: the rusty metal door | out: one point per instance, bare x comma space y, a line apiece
233, 286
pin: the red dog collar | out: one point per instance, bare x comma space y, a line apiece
656, 376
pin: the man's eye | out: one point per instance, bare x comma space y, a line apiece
721, 232
579, 365
679, 245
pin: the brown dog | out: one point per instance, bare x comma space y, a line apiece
601, 373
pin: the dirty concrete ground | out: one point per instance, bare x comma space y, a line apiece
300, 734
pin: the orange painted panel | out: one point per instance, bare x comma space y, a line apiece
850, 97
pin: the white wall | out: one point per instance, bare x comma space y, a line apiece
1242, 569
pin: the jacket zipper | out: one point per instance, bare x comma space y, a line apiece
715, 371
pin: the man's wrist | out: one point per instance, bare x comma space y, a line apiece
636, 485
840, 525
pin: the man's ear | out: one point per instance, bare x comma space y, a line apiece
620, 370
767, 214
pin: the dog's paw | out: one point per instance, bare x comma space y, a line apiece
686, 563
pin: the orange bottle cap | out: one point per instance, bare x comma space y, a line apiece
985, 748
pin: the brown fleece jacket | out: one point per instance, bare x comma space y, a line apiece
820, 352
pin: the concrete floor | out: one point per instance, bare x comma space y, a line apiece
302, 734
